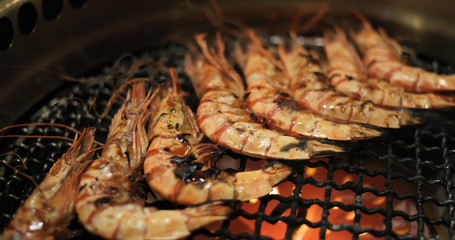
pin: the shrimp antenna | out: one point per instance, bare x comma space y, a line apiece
175, 85
219, 62
116, 94
225, 65
295, 22
42, 136
40, 124
315, 19
72, 186
128, 81
19, 172
254, 38
362, 18
117, 64
214, 14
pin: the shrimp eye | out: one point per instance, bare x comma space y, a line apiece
163, 77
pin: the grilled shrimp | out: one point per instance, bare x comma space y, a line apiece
108, 204
177, 165
381, 56
311, 89
271, 105
223, 119
48, 211
346, 74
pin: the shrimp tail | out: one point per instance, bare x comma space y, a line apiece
210, 211
251, 185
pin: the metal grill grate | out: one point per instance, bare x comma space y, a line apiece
403, 181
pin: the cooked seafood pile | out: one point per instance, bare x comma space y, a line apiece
285, 103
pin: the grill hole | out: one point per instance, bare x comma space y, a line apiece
78, 3
52, 9
6, 33
27, 18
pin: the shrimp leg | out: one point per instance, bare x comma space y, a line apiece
48, 211
311, 89
175, 167
107, 204
271, 105
381, 58
346, 74
223, 119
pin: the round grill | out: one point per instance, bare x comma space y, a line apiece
403, 181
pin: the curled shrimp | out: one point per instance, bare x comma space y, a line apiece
267, 99
311, 89
177, 163
381, 56
108, 204
223, 119
48, 211
347, 75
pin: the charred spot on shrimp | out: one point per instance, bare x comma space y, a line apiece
182, 137
181, 160
102, 201
287, 103
161, 116
350, 78
82, 187
190, 174
320, 74
246, 95
240, 130
283, 94
302, 144
189, 170
252, 116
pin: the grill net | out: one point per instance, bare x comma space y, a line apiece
404, 180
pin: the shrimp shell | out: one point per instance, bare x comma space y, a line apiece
176, 169
346, 74
311, 89
108, 204
223, 120
48, 211
381, 56
271, 105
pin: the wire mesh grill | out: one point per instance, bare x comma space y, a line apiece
400, 186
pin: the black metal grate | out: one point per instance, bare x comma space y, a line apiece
404, 177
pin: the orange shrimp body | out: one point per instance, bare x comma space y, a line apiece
381, 56
276, 108
346, 74
311, 89
108, 204
177, 164
222, 118
48, 211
